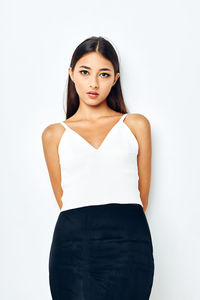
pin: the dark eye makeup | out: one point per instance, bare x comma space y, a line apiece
87, 72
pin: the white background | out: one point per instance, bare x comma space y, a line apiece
158, 47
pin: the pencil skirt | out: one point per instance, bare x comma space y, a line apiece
101, 252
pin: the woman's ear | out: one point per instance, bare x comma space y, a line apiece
116, 78
70, 73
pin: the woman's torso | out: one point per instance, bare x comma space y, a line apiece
93, 176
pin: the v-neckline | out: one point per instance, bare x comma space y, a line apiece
104, 140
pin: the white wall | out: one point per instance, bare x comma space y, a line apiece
158, 46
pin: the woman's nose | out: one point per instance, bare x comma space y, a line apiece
94, 82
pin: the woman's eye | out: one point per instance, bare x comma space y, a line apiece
106, 74
83, 71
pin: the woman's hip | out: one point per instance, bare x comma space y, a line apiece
113, 229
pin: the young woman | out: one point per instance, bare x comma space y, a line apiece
99, 163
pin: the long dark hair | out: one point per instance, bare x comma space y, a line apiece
115, 98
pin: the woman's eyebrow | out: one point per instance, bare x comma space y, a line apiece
102, 69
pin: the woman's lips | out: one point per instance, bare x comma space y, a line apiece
93, 94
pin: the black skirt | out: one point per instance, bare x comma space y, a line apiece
101, 252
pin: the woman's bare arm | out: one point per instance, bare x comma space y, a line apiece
141, 128
50, 140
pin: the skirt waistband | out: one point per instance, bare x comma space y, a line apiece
112, 220
100, 206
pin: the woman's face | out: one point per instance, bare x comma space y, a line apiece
93, 72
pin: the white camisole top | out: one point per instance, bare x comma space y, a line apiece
91, 176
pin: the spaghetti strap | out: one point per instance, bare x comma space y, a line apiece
123, 117
64, 125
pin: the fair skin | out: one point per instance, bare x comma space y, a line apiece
94, 119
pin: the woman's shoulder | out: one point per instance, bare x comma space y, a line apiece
52, 132
138, 119
139, 125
